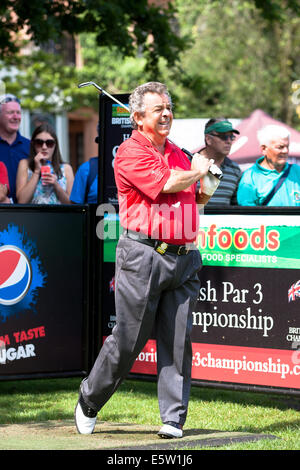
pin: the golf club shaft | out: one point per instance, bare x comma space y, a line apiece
105, 92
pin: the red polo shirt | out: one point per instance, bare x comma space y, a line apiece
141, 173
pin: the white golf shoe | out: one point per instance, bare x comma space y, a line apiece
85, 417
170, 431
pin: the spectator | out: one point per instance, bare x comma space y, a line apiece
13, 146
271, 180
4, 185
85, 186
40, 118
219, 135
53, 187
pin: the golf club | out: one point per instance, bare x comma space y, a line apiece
105, 92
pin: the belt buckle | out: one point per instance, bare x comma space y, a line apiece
161, 248
184, 248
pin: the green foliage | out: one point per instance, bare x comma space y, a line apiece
217, 58
274, 10
126, 25
107, 67
240, 60
42, 81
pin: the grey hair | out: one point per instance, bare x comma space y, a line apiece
272, 132
136, 99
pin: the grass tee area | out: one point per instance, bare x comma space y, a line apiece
50, 403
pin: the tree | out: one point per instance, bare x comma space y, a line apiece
239, 55
127, 24
240, 60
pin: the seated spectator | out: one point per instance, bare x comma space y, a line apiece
53, 187
85, 186
271, 181
4, 185
219, 135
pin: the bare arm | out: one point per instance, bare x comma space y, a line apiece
64, 195
181, 179
24, 188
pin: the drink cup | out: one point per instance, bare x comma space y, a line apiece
45, 169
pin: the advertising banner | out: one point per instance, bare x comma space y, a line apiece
115, 128
246, 324
43, 305
247, 320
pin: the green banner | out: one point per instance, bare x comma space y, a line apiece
235, 240
250, 241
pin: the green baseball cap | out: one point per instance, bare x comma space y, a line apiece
221, 126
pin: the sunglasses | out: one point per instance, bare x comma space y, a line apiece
49, 143
225, 137
8, 99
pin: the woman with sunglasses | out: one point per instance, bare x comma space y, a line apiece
34, 186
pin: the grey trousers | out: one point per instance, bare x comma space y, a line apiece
153, 293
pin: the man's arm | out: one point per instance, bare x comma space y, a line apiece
181, 179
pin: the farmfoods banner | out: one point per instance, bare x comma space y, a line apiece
246, 324
247, 319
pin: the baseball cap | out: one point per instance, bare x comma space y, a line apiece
221, 126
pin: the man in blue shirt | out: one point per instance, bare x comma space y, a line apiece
13, 146
271, 172
85, 186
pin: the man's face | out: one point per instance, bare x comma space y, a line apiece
276, 153
10, 117
157, 119
220, 142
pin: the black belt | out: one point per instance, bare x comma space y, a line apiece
158, 245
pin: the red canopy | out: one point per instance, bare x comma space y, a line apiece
246, 148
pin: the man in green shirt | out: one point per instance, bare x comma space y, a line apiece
271, 174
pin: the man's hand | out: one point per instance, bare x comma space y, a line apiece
3, 194
201, 164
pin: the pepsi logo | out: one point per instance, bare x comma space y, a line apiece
15, 275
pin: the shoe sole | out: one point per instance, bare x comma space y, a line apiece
166, 433
165, 436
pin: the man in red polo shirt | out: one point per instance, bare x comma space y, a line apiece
141, 173
157, 263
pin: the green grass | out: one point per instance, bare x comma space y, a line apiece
136, 402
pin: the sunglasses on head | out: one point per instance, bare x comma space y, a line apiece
225, 137
8, 99
49, 143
